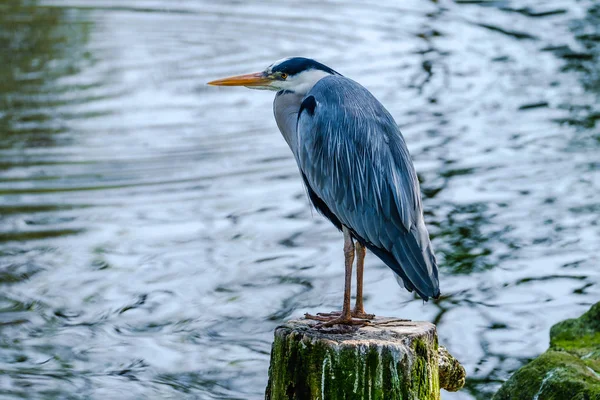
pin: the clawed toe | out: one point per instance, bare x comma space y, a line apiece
331, 314
344, 321
323, 316
318, 317
362, 315
336, 318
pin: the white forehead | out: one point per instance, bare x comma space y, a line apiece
276, 63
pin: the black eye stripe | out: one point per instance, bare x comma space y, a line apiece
296, 65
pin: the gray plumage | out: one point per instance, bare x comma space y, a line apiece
358, 173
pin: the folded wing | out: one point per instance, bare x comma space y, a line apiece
357, 168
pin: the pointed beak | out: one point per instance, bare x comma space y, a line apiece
249, 80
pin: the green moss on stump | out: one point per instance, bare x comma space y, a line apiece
390, 360
569, 370
452, 375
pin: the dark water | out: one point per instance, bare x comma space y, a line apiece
154, 230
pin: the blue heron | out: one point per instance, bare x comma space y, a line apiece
357, 172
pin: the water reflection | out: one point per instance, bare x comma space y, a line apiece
464, 248
153, 232
40, 47
584, 61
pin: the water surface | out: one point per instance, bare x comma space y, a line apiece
154, 231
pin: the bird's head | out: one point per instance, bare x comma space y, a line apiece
296, 74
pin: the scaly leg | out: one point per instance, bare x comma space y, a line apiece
359, 310
345, 318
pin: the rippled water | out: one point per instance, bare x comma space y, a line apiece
154, 231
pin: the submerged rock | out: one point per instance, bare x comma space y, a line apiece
568, 370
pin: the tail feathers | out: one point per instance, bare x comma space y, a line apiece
419, 266
434, 268
416, 268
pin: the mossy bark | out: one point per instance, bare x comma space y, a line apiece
570, 369
390, 359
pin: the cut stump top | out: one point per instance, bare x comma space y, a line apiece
384, 331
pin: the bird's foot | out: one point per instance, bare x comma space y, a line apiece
336, 318
323, 317
328, 315
344, 320
360, 314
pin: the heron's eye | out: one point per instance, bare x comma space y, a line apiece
283, 75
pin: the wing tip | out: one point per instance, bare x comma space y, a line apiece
434, 295
430, 289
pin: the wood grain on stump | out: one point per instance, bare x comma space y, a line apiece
390, 359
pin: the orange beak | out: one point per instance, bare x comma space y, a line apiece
256, 79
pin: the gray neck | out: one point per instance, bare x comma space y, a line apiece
285, 107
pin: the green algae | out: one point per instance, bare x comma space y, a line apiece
579, 336
451, 375
555, 375
569, 370
423, 378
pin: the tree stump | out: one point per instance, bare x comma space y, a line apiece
389, 359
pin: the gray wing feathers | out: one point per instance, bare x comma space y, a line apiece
355, 159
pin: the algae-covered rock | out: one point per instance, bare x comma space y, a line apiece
569, 370
579, 336
555, 375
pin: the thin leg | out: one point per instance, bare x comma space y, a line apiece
359, 310
345, 317
348, 261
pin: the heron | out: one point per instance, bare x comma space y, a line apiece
357, 171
